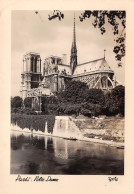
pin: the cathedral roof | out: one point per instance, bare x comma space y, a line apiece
99, 65
65, 68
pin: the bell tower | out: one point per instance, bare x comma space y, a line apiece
31, 75
73, 57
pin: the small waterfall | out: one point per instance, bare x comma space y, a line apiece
46, 130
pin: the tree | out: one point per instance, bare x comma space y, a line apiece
113, 18
71, 109
95, 96
16, 102
88, 108
115, 100
56, 14
78, 92
73, 93
44, 105
28, 102
78, 98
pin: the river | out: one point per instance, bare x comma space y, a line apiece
38, 154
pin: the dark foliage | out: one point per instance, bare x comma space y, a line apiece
115, 101
95, 96
47, 103
100, 17
28, 102
74, 92
77, 99
24, 110
78, 92
16, 102
56, 14
44, 105
90, 109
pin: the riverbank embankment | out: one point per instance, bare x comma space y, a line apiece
104, 128
108, 130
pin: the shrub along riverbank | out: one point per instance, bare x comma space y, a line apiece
36, 122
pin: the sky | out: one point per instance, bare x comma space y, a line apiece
35, 33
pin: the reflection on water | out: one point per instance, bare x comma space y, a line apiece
33, 154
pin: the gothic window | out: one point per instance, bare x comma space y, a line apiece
35, 69
32, 64
52, 60
109, 84
103, 82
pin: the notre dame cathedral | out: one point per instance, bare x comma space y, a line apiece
56, 73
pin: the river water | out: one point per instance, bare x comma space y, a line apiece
36, 154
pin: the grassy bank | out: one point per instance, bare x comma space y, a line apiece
36, 122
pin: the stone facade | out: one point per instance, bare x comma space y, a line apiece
96, 74
31, 75
56, 73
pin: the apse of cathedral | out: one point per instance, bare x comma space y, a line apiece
56, 73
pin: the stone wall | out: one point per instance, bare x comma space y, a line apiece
66, 127
106, 128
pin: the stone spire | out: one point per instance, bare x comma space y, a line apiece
73, 57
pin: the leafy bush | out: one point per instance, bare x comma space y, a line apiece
114, 101
52, 108
16, 102
95, 96
71, 109
74, 92
23, 110
28, 102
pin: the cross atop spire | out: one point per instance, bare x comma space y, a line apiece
73, 57
104, 53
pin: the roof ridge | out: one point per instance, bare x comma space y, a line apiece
90, 61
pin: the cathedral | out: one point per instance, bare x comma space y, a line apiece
56, 73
